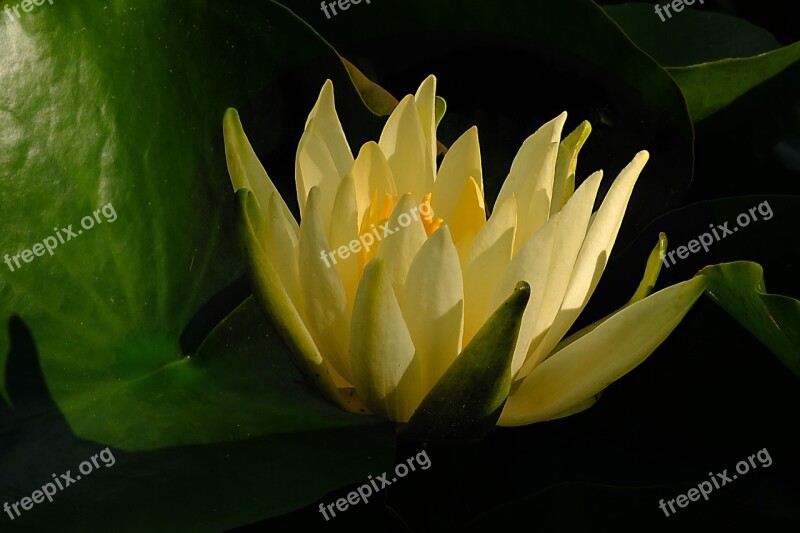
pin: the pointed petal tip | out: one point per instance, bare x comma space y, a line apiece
327, 88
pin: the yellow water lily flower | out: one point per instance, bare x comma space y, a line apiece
424, 326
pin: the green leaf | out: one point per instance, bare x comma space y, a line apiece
110, 115
774, 319
466, 402
710, 87
113, 310
172, 489
691, 36
376, 98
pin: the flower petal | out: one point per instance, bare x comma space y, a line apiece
272, 296
343, 231
323, 155
281, 246
485, 263
564, 182
403, 142
245, 169
425, 99
469, 217
570, 235
434, 306
462, 160
531, 264
531, 178
573, 375
645, 288
385, 371
596, 249
330, 129
324, 298
372, 176
400, 247
466, 401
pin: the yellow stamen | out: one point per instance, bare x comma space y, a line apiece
431, 224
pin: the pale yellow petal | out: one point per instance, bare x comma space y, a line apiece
425, 99
461, 161
323, 294
372, 177
572, 376
385, 371
343, 238
531, 263
434, 306
323, 156
484, 265
531, 178
399, 244
403, 143
595, 251
330, 129
569, 238
314, 167
468, 218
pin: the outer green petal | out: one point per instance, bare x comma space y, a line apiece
466, 402
645, 288
564, 182
573, 375
276, 302
244, 167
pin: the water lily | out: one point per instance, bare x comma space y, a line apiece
455, 319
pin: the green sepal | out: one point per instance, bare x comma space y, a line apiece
466, 402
